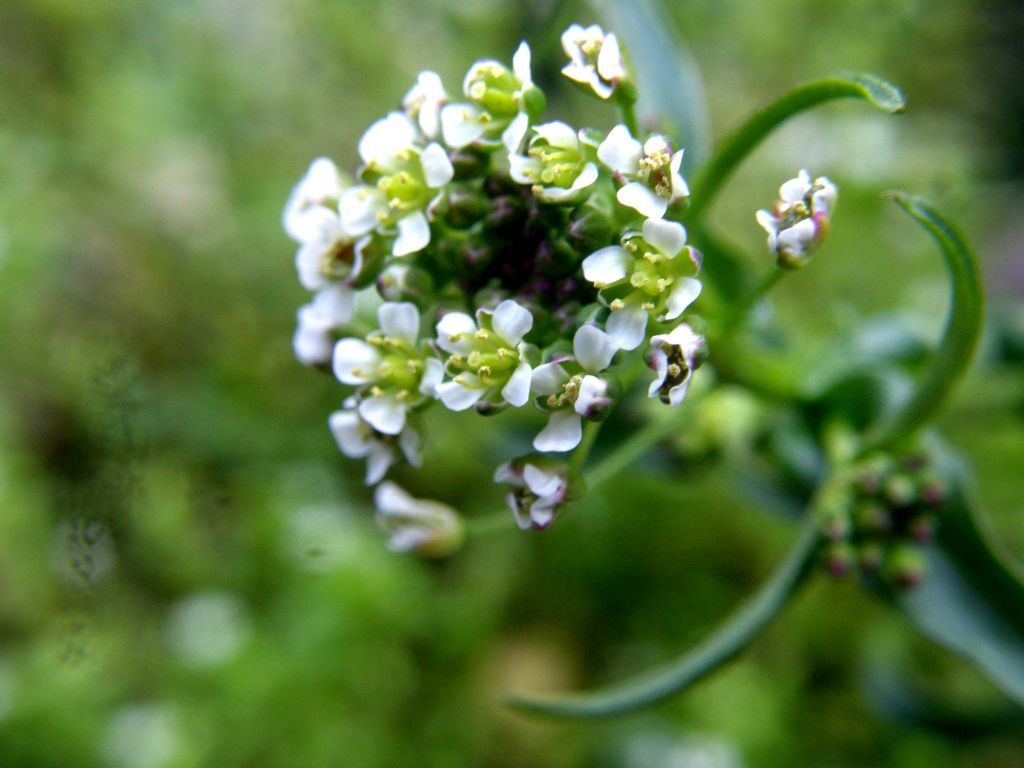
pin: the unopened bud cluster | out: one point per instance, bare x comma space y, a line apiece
879, 516
513, 261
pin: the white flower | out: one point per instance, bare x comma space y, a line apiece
539, 491
799, 220
556, 164
595, 59
319, 189
330, 309
573, 389
651, 171
645, 275
488, 356
500, 106
357, 439
674, 357
423, 103
429, 527
392, 374
408, 179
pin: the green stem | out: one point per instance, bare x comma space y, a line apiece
579, 456
626, 108
747, 302
632, 449
717, 170
490, 524
952, 357
726, 642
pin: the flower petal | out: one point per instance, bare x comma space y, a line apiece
684, 293
355, 361
524, 170
399, 320
521, 64
643, 200
351, 433
385, 413
593, 348
413, 234
437, 168
627, 326
457, 397
391, 500
558, 134
512, 136
609, 60
548, 379
335, 304
562, 433
312, 342
386, 138
540, 482
620, 151
455, 333
669, 237
607, 266
593, 391
359, 208
378, 462
461, 125
433, 373
511, 321
517, 391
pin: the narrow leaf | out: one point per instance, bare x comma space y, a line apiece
726, 642
713, 175
952, 357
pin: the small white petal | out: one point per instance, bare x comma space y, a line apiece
607, 266
433, 373
798, 238
620, 151
794, 190
351, 433
678, 392
409, 442
359, 208
457, 397
523, 520
587, 177
461, 125
571, 41
386, 138
399, 320
390, 500
684, 293
511, 322
517, 391
521, 64
378, 461
437, 168
768, 221
548, 379
562, 433
512, 136
455, 333
312, 342
669, 237
643, 200
540, 482
593, 348
385, 413
593, 390
680, 188
627, 326
504, 473
558, 134
524, 170
413, 234
335, 304
609, 60
355, 361
660, 360
320, 187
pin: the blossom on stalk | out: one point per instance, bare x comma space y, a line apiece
798, 221
539, 490
674, 357
428, 527
501, 104
596, 61
649, 173
487, 356
357, 439
320, 188
330, 309
646, 275
558, 163
391, 371
424, 101
403, 180
572, 391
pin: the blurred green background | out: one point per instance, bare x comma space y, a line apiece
189, 570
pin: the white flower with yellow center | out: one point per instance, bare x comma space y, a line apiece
539, 492
392, 373
649, 172
649, 274
420, 525
557, 164
572, 391
674, 357
424, 101
320, 188
595, 59
357, 439
799, 220
487, 357
403, 179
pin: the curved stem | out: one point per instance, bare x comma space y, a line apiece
726, 642
952, 357
579, 456
629, 117
632, 449
489, 524
717, 170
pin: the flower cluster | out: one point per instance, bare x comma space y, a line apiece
798, 221
879, 514
513, 261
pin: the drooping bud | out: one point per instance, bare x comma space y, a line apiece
540, 489
427, 527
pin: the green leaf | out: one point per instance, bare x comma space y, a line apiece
670, 87
726, 642
952, 357
713, 175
